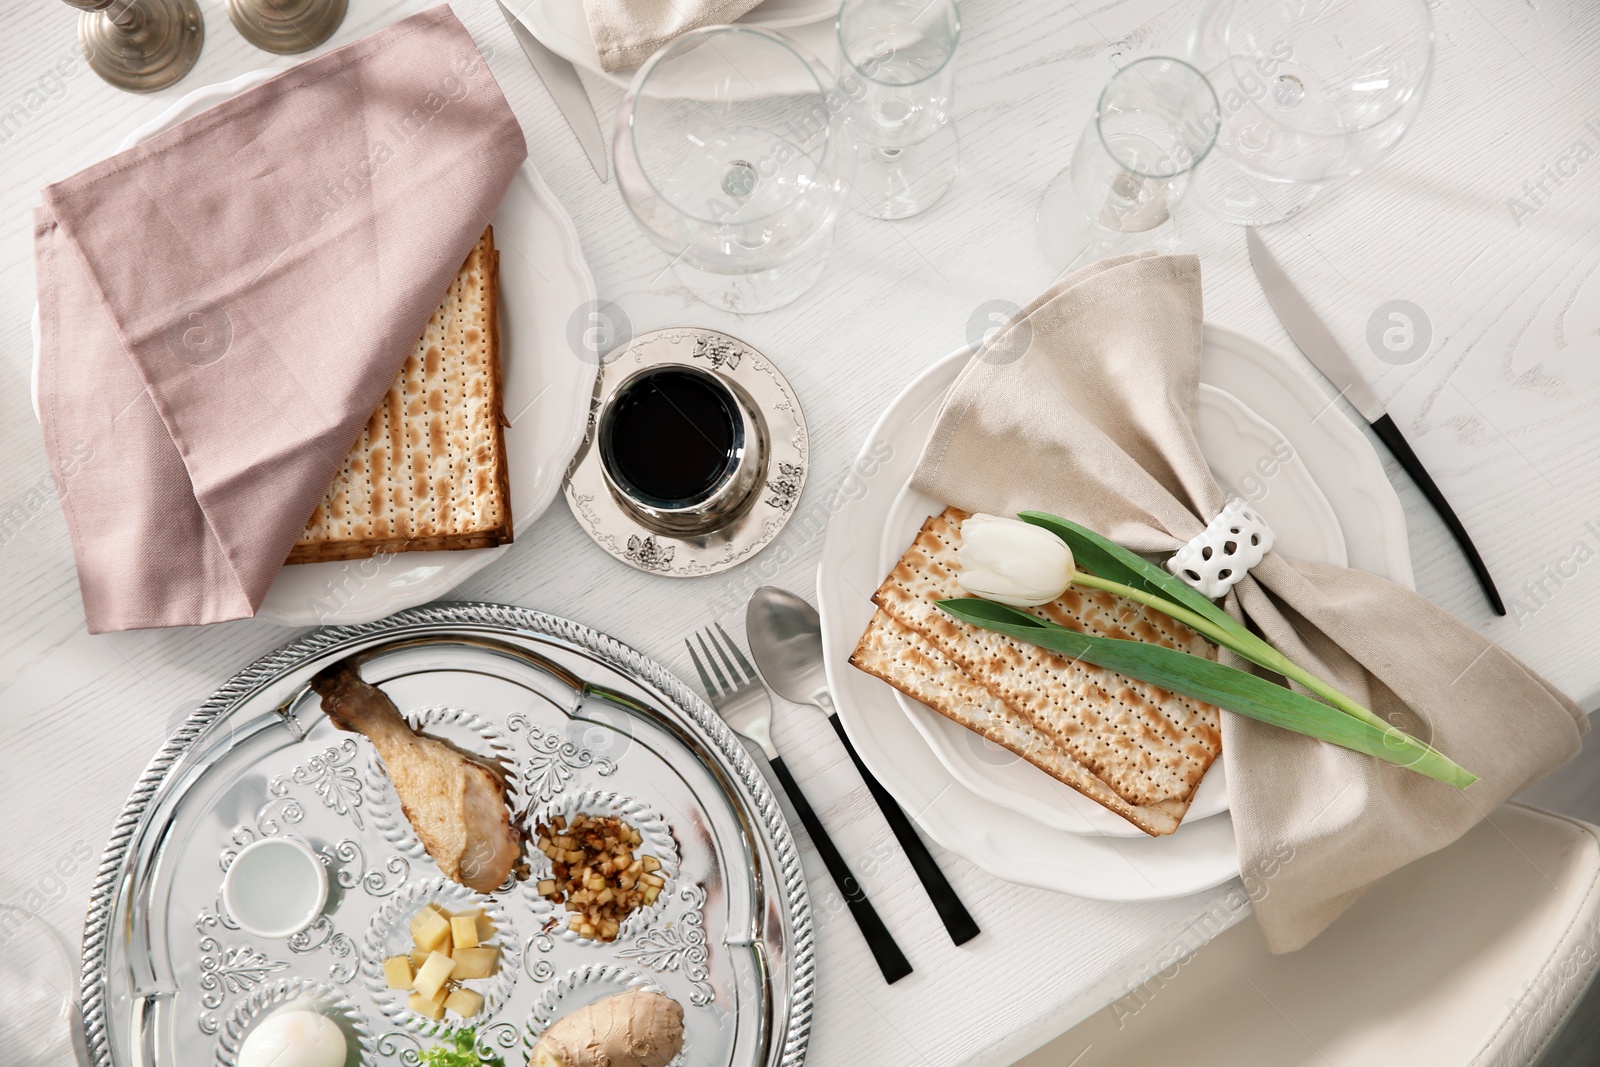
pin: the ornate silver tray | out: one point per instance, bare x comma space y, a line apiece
582, 722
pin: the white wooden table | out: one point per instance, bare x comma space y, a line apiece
1504, 409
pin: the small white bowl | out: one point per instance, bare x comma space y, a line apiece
275, 887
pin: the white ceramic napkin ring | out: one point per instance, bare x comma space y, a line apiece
1223, 553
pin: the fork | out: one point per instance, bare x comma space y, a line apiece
741, 699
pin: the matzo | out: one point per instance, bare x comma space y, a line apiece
429, 469
906, 660
1147, 744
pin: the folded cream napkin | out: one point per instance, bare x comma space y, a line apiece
223, 306
1083, 406
628, 32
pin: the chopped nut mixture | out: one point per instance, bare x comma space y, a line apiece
595, 874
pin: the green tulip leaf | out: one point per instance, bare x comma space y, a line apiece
1226, 687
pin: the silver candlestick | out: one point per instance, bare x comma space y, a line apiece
140, 45
286, 26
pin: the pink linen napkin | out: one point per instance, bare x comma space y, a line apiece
223, 306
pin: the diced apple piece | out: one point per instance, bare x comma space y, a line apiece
418, 958
464, 1002
397, 972
433, 975
486, 929
429, 929
464, 931
475, 962
428, 1007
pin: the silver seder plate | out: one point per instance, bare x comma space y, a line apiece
581, 722
785, 447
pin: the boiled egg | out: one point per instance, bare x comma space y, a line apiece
294, 1039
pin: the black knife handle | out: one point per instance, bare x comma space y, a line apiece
1390, 435
957, 920
891, 961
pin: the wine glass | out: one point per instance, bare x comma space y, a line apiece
1154, 122
900, 79
38, 990
140, 45
728, 153
1311, 92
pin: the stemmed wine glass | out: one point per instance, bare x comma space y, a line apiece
1154, 122
728, 153
1311, 92
37, 990
140, 45
900, 80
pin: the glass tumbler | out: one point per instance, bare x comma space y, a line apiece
1155, 121
38, 990
1311, 92
729, 155
899, 79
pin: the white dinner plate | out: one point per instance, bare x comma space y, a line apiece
1247, 456
561, 27
543, 276
970, 822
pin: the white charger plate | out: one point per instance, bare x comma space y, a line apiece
1240, 447
560, 26
969, 822
543, 277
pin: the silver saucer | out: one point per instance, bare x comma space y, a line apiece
623, 532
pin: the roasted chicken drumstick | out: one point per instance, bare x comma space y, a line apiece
455, 802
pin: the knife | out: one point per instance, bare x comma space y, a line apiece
1314, 339
560, 77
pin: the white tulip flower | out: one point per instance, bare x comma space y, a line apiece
1012, 562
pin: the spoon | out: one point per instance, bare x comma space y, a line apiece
785, 635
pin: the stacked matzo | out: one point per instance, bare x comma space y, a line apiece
429, 469
1135, 748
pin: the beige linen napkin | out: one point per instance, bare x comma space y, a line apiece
1083, 406
628, 32
222, 307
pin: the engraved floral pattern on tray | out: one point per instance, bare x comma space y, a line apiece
270, 821
679, 945
341, 947
331, 776
553, 762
